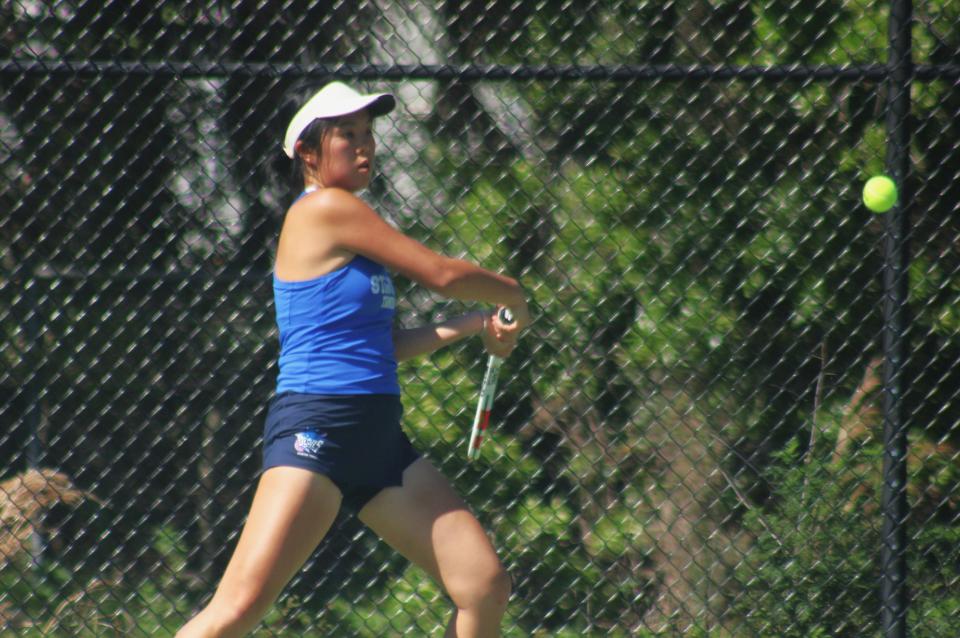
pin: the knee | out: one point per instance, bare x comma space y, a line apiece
499, 587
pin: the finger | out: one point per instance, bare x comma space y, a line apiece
508, 333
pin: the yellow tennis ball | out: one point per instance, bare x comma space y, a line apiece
880, 193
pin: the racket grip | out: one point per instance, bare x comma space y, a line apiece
505, 315
484, 405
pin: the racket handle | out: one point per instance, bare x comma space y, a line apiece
488, 389
484, 404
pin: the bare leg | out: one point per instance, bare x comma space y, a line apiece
291, 513
429, 524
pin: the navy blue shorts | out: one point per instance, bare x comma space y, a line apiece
356, 441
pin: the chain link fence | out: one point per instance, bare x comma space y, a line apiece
702, 433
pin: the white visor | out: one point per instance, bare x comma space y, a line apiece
334, 100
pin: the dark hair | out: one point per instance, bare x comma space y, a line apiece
311, 137
289, 174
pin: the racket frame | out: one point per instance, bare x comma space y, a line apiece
488, 390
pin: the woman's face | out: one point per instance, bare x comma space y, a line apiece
346, 153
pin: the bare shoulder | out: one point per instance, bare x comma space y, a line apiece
309, 243
330, 205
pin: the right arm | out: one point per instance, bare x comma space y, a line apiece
349, 223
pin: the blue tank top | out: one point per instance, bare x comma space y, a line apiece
336, 331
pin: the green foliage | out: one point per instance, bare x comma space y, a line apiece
54, 598
814, 568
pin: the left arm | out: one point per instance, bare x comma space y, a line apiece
413, 342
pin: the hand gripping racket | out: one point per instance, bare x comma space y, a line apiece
488, 389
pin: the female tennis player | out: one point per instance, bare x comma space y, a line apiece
332, 434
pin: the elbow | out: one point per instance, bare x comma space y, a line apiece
456, 279
446, 277
459, 279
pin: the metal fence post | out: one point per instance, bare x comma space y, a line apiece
896, 258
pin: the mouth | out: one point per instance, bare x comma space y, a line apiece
364, 165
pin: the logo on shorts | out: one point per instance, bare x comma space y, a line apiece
308, 444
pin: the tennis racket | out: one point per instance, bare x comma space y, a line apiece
488, 389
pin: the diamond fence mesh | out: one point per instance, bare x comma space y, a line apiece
690, 438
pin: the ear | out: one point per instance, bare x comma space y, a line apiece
309, 156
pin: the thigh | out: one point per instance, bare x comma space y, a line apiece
426, 521
292, 510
